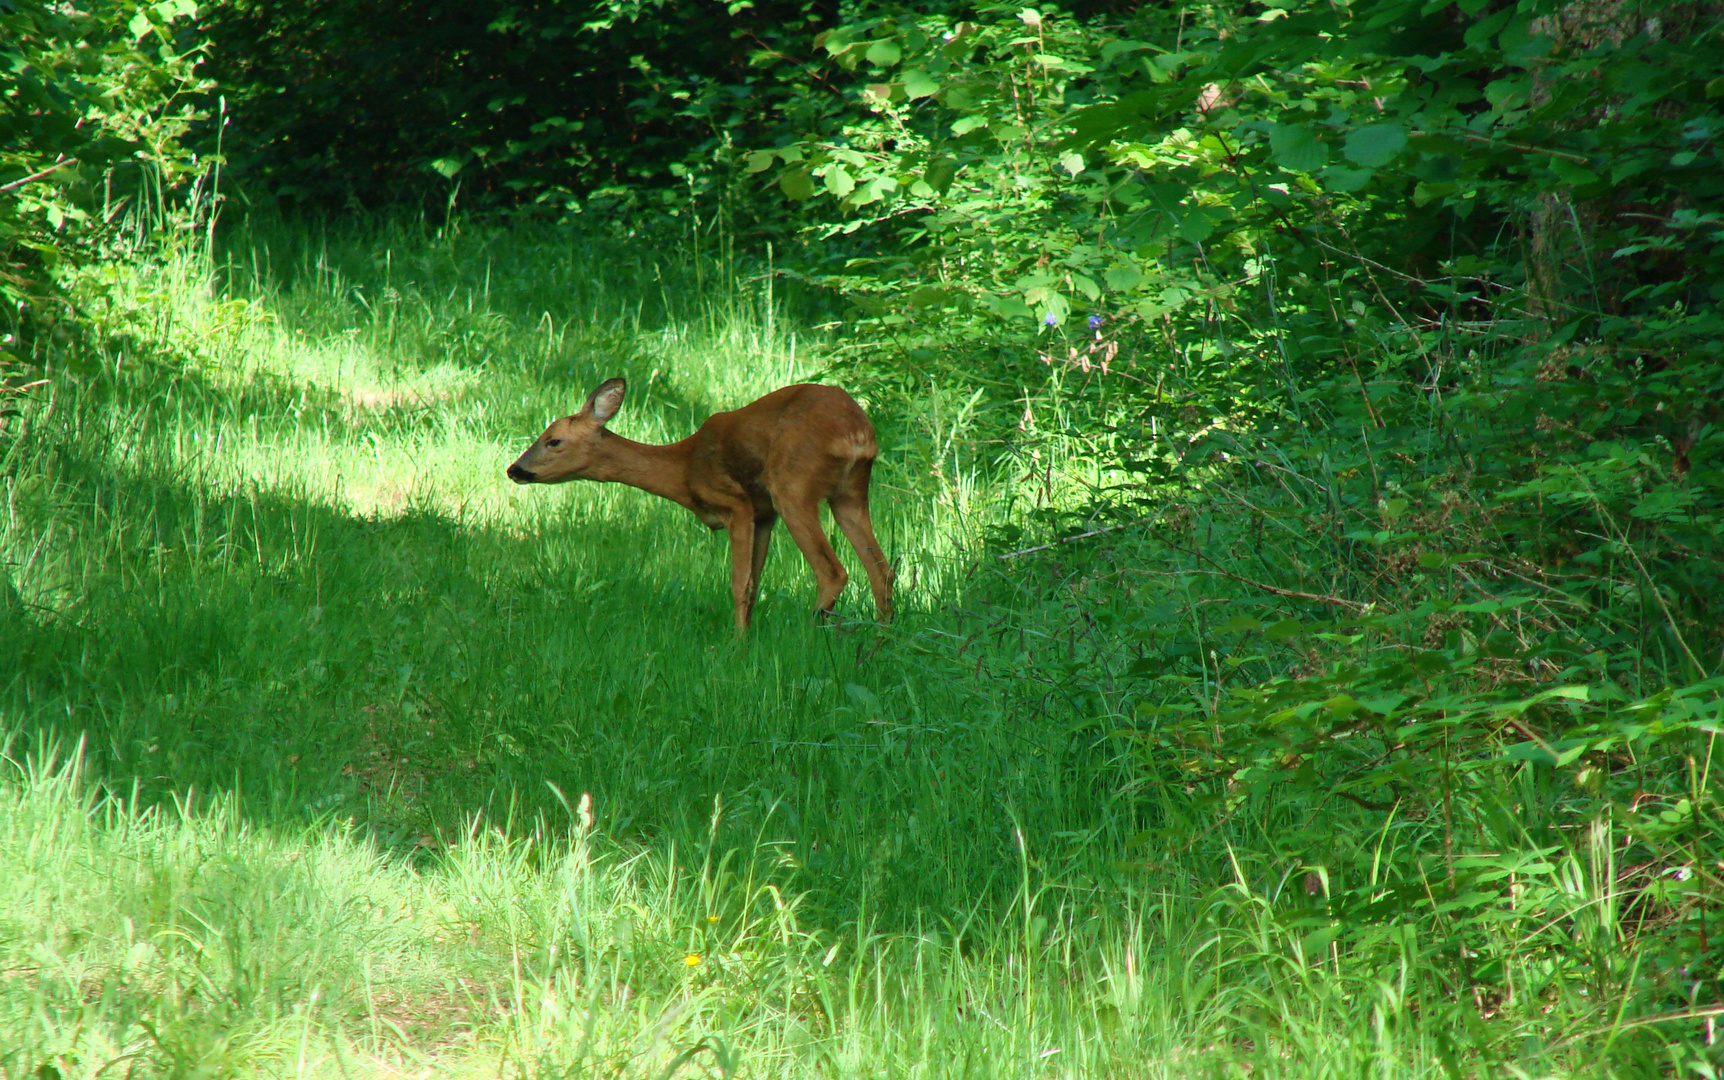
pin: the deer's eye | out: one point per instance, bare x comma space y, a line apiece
555, 442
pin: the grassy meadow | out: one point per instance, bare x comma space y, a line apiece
330, 753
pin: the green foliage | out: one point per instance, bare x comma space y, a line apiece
1102, 797
543, 104
1172, 173
1302, 432
96, 100
1390, 254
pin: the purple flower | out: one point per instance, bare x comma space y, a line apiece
1050, 319
1095, 322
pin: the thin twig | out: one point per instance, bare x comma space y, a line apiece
1369, 805
1621, 537
1292, 594
1500, 568
1080, 536
1524, 148
56, 167
1666, 1018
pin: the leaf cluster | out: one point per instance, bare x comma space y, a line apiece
97, 98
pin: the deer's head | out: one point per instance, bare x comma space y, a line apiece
565, 450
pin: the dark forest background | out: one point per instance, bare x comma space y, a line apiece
1388, 334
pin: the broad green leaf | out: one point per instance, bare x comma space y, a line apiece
1342, 179
1297, 147
1072, 162
1007, 307
1086, 285
838, 182
1123, 278
884, 53
1054, 310
1570, 173
1375, 145
1342, 705
797, 184
1196, 227
1384, 705
918, 85
940, 173
1320, 939
1426, 192
873, 190
1478, 35
1518, 41
448, 166
760, 161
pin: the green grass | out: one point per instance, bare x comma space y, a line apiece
385, 766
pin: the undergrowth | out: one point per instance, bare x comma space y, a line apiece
1219, 751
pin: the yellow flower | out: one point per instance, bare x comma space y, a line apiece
692, 959
711, 919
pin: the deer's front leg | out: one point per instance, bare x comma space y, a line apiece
743, 585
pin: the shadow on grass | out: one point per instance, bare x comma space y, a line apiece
409, 673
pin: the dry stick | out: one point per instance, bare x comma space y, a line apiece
1293, 594
1497, 565
1524, 148
1079, 536
56, 167
1644, 1021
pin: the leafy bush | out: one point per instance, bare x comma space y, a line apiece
543, 105
100, 95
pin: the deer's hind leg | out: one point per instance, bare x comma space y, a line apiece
849, 504
802, 518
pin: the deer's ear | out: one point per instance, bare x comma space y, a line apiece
606, 400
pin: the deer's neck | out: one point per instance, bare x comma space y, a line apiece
660, 470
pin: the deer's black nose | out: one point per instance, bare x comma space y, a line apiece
520, 475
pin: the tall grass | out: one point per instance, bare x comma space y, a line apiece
383, 765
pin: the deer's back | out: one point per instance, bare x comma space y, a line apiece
805, 433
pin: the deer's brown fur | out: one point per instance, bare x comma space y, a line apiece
741, 471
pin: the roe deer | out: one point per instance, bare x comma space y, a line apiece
741, 471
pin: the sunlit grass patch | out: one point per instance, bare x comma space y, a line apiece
392, 767
182, 939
